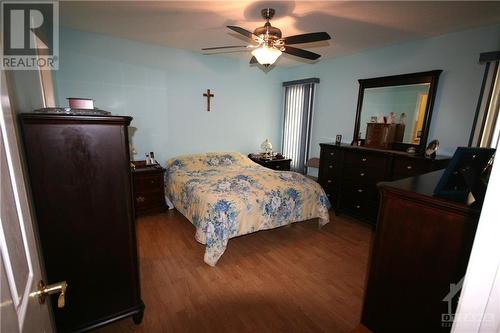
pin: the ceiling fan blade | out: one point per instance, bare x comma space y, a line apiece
253, 60
301, 53
307, 38
244, 32
222, 47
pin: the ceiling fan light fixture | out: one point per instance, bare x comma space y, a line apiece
266, 55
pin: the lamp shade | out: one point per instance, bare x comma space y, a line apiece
266, 55
266, 146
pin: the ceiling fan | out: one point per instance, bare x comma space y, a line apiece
270, 44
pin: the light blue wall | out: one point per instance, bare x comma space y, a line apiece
162, 89
456, 54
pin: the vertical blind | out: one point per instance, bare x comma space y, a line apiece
298, 111
486, 127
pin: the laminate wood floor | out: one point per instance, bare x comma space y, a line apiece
292, 279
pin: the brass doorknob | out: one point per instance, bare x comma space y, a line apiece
55, 288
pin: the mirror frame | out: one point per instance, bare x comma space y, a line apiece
430, 77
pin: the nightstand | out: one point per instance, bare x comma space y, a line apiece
148, 188
281, 164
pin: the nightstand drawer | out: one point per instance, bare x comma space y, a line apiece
148, 182
148, 189
279, 165
147, 200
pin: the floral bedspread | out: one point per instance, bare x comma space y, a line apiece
225, 195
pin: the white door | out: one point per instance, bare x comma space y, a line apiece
20, 310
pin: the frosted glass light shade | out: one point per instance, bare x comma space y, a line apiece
266, 146
266, 55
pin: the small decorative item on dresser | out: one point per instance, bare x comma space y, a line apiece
80, 103
338, 139
148, 188
432, 148
411, 150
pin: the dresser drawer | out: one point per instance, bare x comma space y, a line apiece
148, 182
329, 182
363, 159
329, 170
330, 185
331, 154
363, 208
332, 197
361, 191
362, 175
405, 167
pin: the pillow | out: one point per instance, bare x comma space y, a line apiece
207, 161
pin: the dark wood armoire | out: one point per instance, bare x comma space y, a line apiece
81, 187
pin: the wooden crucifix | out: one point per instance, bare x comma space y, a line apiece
208, 95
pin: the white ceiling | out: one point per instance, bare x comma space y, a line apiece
354, 25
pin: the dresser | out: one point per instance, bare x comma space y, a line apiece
81, 187
349, 175
149, 188
282, 164
422, 245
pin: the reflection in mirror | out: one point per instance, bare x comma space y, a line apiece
395, 111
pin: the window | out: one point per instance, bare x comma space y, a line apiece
486, 128
298, 112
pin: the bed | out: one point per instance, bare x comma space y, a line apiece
225, 195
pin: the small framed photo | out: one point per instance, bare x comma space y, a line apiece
338, 139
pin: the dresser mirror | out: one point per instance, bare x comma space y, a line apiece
394, 112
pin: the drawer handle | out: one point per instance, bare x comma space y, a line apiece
363, 159
331, 154
140, 199
328, 194
330, 166
358, 206
152, 182
360, 190
362, 174
409, 167
329, 181
277, 167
